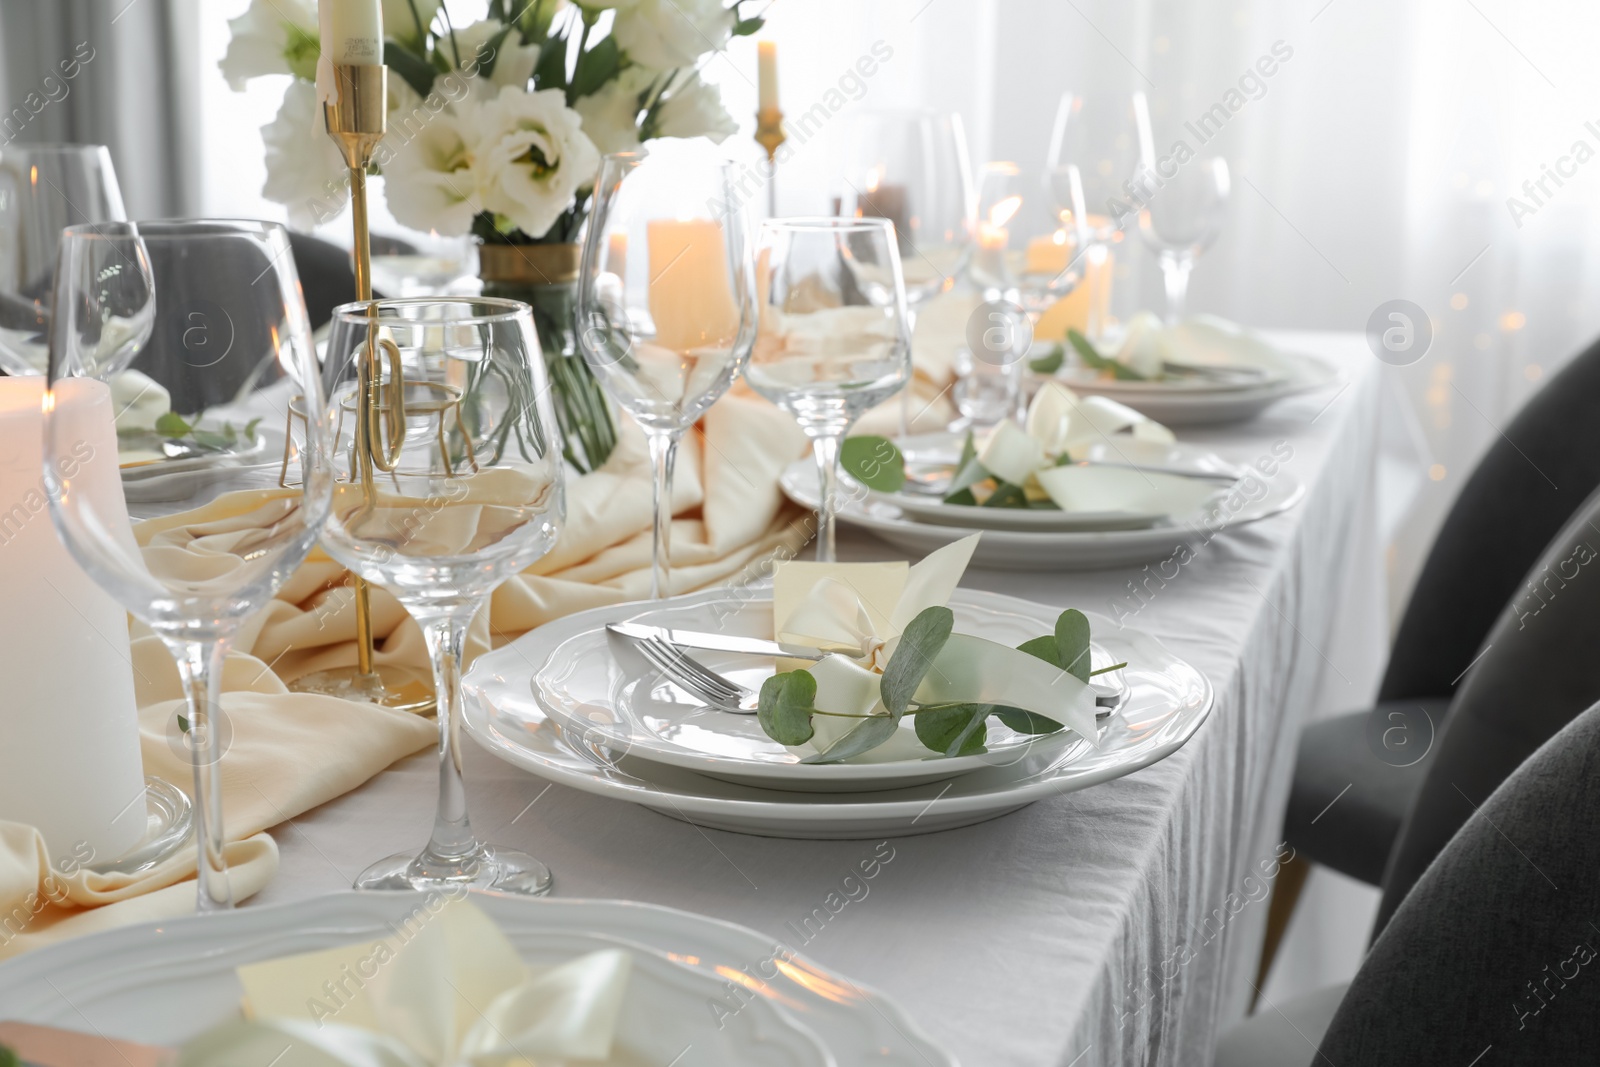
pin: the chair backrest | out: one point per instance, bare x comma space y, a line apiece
1495, 947
326, 274
1530, 481
1538, 670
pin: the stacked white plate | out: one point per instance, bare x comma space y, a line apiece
165, 983
569, 703
1181, 507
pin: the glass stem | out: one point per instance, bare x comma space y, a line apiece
200, 666
452, 850
663, 454
911, 380
825, 446
1175, 269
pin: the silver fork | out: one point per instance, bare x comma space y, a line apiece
697, 680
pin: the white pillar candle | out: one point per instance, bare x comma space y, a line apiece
767, 76
352, 31
69, 728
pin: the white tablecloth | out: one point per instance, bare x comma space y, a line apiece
1118, 925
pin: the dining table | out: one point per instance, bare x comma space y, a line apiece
1119, 924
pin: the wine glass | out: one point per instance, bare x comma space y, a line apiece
666, 301
230, 509
44, 188
834, 336
1029, 246
1184, 205
449, 482
911, 167
1095, 143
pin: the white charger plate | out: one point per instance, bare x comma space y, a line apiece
1167, 701
1121, 451
1185, 405
598, 689
163, 983
1054, 550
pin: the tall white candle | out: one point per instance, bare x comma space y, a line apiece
69, 728
767, 76
352, 31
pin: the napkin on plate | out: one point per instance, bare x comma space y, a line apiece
446, 988
1147, 344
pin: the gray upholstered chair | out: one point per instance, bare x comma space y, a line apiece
1452, 879
1531, 481
1494, 952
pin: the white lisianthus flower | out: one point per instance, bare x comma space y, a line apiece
400, 18
668, 34
604, 5
694, 109
611, 113
513, 60
426, 158
305, 172
271, 37
531, 156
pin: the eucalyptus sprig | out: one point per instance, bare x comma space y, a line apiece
876, 463
1095, 361
174, 427
787, 703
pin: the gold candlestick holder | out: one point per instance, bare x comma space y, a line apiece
770, 136
356, 119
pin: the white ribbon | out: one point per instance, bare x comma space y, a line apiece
968, 669
447, 990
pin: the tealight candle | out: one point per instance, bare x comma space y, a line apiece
69, 763
690, 297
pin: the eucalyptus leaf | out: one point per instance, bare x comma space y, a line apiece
786, 706
962, 496
172, 425
1091, 358
875, 462
913, 657
746, 27
1050, 362
1026, 722
9, 1058
969, 451
1072, 643
1006, 495
865, 736
956, 730
1044, 648
970, 473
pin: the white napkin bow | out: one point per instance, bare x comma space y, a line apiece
454, 993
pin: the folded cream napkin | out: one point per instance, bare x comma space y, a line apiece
290, 752
1147, 344
445, 988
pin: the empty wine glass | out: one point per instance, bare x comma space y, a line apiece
911, 167
666, 300
834, 338
1029, 246
1182, 216
44, 188
230, 505
1094, 144
449, 483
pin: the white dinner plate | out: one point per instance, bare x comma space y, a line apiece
1166, 703
1185, 405
597, 688
1188, 496
163, 983
1056, 550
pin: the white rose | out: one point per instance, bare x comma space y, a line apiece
271, 37
667, 34
400, 23
513, 60
430, 178
305, 172
531, 156
694, 109
611, 113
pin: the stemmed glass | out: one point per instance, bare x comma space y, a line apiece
449, 482
1095, 143
666, 301
834, 336
911, 167
1182, 213
232, 509
44, 188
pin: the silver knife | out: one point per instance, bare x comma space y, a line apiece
754, 646
1109, 693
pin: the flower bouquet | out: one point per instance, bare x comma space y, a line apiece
496, 129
